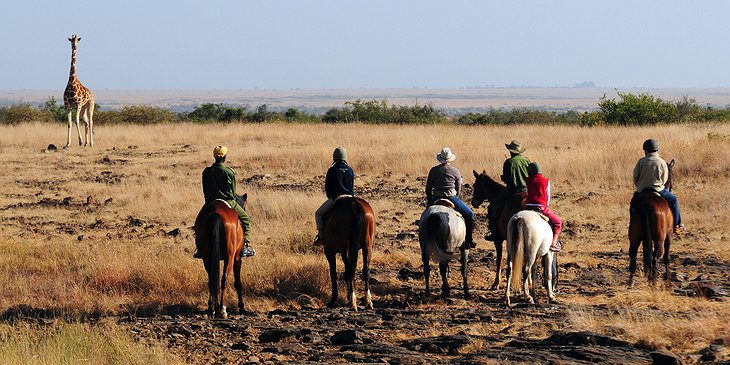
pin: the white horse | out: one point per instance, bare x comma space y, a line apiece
441, 232
528, 237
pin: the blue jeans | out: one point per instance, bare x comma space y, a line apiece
468, 215
673, 205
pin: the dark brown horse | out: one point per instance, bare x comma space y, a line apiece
219, 236
348, 228
486, 188
651, 226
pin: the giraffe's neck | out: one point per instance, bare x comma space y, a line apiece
72, 74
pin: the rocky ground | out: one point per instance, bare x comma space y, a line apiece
404, 327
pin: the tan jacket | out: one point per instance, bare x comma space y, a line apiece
651, 172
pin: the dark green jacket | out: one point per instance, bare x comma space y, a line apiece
219, 182
514, 172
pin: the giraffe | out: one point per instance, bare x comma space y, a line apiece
80, 98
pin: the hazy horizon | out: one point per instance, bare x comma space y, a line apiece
285, 45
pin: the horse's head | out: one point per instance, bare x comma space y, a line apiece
670, 178
242, 200
485, 188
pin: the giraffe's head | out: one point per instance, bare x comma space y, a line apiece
74, 40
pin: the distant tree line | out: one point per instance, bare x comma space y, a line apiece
628, 109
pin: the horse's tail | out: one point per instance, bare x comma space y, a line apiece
516, 247
646, 240
437, 238
358, 231
216, 233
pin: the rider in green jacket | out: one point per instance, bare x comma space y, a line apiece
514, 174
219, 182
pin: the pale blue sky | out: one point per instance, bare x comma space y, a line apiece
150, 44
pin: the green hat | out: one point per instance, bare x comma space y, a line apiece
534, 168
651, 145
340, 154
515, 147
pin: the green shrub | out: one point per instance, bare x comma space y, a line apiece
136, 114
20, 113
641, 109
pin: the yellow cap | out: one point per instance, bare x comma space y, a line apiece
220, 151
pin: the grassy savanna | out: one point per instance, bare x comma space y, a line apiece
69, 258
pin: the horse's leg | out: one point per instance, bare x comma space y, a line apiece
655, 257
366, 275
667, 244
527, 278
554, 271
445, 288
226, 271
498, 248
464, 260
332, 260
533, 280
239, 285
426, 270
633, 252
211, 296
547, 268
350, 267
509, 281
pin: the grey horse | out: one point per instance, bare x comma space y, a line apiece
441, 232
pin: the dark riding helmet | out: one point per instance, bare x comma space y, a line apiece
651, 145
340, 154
534, 168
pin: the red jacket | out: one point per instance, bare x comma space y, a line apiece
538, 191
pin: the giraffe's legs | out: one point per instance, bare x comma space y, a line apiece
68, 141
78, 127
90, 122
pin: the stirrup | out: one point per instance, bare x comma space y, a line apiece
247, 251
680, 229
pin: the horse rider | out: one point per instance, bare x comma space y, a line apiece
538, 198
651, 173
444, 182
219, 182
340, 180
514, 174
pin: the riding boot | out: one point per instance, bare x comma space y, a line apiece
492, 236
556, 246
197, 254
247, 250
318, 240
469, 240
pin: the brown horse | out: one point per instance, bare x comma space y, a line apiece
486, 188
219, 236
651, 226
348, 228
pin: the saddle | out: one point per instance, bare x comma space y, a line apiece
537, 210
447, 203
638, 196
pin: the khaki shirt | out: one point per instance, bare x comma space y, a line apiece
651, 172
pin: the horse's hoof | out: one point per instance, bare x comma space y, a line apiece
467, 296
331, 304
494, 286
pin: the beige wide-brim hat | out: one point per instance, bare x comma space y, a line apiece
515, 147
445, 155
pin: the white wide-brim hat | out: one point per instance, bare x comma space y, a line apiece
445, 155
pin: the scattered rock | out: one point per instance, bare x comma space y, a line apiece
91, 200
108, 201
440, 344
136, 222
276, 335
406, 235
174, 233
406, 274
346, 337
66, 200
664, 357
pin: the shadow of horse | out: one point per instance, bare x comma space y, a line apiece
650, 226
441, 232
219, 236
348, 228
486, 188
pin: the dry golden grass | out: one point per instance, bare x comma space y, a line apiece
78, 258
